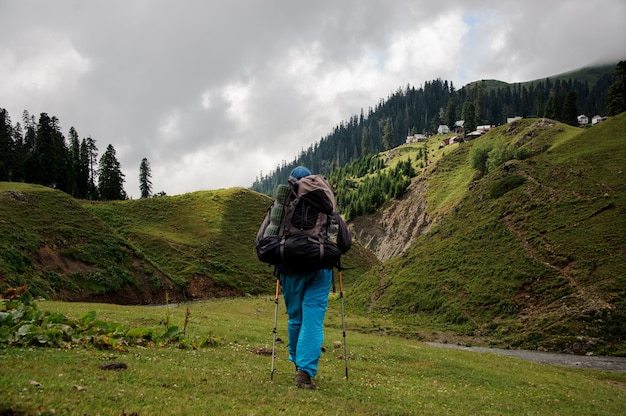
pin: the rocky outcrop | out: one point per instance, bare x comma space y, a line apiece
391, 230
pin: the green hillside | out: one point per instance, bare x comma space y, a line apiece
204, 238
50, 243
194, 246
530, 254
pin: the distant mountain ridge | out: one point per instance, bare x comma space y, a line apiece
589, 75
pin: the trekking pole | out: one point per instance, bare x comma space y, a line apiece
275, 319
343, 322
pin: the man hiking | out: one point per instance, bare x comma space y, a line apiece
306, 279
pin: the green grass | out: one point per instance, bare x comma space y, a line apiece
52, 244
208, 233
388, 375
199, 245
449, 180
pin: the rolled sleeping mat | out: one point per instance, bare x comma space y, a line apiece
281, 193
276, 215
278, 210
271, 230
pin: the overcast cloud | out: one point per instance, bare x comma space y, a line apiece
215, 92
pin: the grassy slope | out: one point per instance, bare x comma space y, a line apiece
136, 251
205, 233
387, 375
541, 265
49, 242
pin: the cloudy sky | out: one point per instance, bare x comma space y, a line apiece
216, 92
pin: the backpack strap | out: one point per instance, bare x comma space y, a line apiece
290, 203
281, 248
320, 240
289, 209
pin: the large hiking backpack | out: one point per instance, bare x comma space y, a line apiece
302, 229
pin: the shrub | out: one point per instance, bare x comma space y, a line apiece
497, 156
505, 185
478, 157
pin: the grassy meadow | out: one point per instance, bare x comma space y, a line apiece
388, 375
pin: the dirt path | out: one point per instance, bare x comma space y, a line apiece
603, 363
565, 271
376, 294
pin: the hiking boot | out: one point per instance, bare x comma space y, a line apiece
304, 381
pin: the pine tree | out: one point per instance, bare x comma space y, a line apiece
387, 134
6, 145
364, 147
616, 96
52, 153
74, 163
88, 158
570, 110
145, 185
469, 115
110, 176
450, 115
19, 153
479, 102
84, 184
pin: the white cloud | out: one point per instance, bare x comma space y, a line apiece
236, 96
169, 130
41, 64
205, 100
213, 93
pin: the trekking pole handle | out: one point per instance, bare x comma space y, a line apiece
277, 288
340, 283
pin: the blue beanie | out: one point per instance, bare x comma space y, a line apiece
300, 172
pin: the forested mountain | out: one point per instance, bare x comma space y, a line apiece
422, 109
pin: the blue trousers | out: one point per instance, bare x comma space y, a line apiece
306, 299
